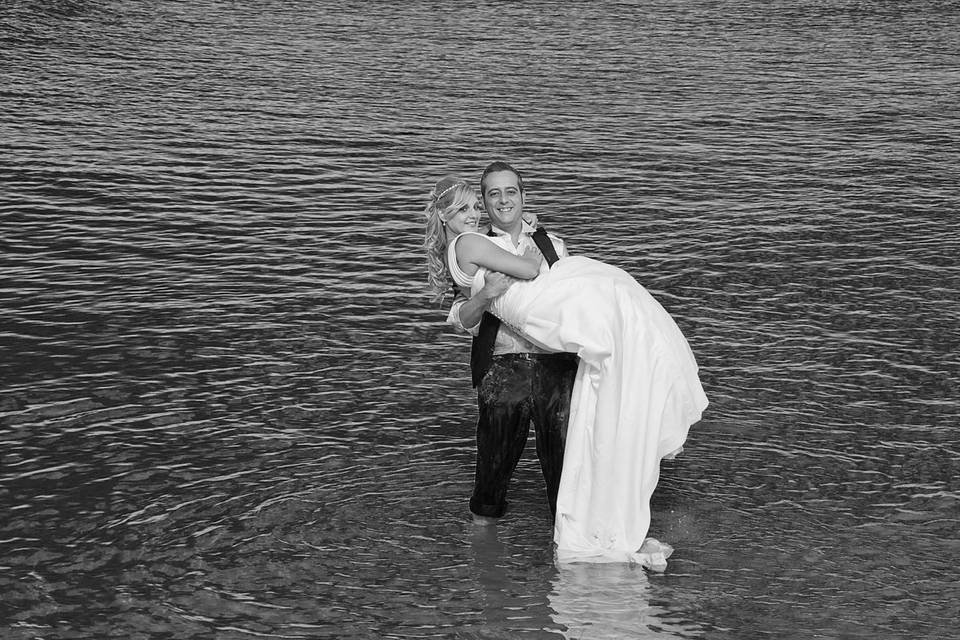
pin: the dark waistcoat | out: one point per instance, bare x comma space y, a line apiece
481, 351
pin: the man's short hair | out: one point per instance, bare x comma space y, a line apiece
500, 165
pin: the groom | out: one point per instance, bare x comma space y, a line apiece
517, 382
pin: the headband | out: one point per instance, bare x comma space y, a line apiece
437, 196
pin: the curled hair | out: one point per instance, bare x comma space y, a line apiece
448, 194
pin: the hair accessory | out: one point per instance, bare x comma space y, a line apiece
437, 196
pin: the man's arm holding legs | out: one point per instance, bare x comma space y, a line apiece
465, 313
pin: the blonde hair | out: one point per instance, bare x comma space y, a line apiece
448, 195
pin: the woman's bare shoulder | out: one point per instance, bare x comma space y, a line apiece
472, 241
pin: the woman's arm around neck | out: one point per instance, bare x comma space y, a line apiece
474, 251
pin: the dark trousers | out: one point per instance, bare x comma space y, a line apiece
517, 390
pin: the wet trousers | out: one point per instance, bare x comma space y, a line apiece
521, 388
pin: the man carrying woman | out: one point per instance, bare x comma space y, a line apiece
635, 391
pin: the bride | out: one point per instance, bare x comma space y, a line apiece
636, 393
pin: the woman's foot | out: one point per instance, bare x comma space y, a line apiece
484, 521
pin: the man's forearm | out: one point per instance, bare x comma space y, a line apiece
472, 310
466, 313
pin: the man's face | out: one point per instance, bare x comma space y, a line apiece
503, 199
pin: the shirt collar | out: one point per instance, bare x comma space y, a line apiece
525, 227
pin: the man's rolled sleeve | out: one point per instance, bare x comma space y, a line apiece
453, 317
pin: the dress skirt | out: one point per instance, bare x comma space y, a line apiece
636, 394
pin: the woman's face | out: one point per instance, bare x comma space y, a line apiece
466, 217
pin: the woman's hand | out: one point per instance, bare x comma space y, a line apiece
532, 255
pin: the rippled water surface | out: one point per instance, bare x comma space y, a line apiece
228, 410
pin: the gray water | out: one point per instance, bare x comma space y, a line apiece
228, 410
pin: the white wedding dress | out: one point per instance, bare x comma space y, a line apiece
635, 396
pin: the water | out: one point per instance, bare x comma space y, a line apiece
227, 410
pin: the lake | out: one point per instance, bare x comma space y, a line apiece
228, 409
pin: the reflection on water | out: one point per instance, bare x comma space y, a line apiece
612, 602
570, 601
227, 410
